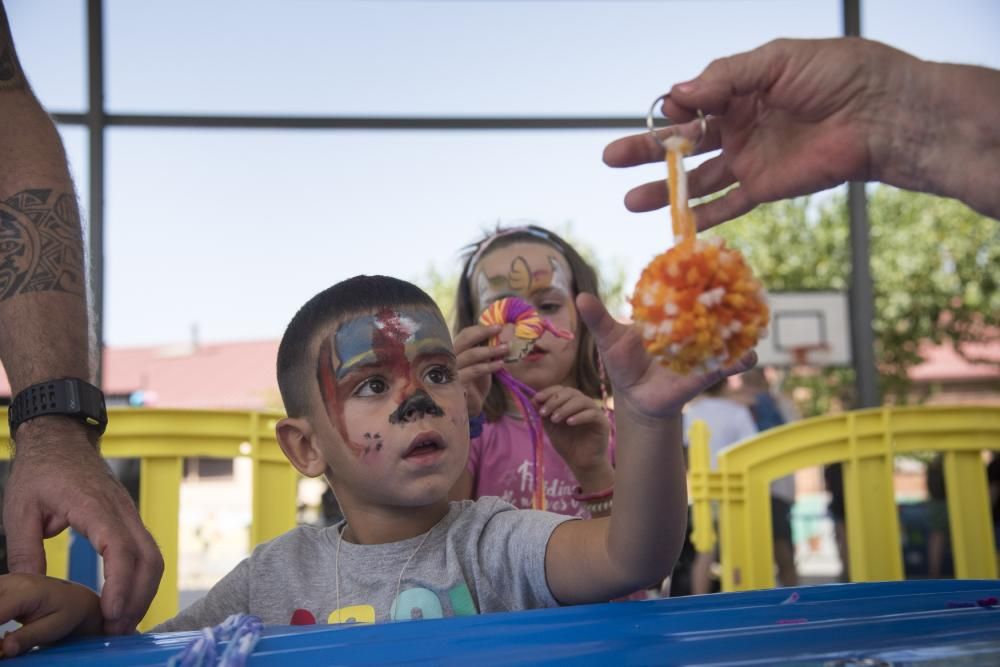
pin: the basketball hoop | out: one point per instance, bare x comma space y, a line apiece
800, 353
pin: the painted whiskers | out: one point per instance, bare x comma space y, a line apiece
528, 328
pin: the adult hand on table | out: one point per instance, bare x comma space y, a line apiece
58, 480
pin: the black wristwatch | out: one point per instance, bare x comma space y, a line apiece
71, 397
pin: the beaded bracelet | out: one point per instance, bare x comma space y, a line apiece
580, 496
599, 507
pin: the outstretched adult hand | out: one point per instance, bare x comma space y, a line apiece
57, 480
798, 116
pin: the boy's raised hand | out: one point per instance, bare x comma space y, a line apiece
49, 609
640, 383
477, 362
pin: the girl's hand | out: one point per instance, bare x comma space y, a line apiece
577, 427
640, 383
49, 609
477, 362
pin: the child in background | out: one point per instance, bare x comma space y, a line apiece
367, 373
542, 269
728, 422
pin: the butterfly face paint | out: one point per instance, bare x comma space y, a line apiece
527, 270
393, 363
541, 276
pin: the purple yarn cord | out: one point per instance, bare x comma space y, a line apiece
242, 631
523, 393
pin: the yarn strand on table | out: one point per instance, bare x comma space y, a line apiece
242, 631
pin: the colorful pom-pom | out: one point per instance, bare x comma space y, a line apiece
528, 325
697, 306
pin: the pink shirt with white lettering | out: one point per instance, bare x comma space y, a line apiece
501, 464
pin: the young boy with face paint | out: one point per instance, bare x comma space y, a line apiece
368, 375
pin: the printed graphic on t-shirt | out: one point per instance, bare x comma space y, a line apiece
411, 604
558, 492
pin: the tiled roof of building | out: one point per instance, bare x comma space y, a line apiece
241, 375
238, 375
943, 363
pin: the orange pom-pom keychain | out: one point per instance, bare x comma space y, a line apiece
697, 306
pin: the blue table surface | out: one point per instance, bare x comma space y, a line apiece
900, 623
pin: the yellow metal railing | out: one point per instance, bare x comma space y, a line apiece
162, 439
865, 442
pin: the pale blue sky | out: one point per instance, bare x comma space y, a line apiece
233, 230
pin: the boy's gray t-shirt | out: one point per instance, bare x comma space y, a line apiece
484, 556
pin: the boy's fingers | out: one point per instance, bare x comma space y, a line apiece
742, 365
45, 630
16, 599
601, 325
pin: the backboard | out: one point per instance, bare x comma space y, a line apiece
807, 327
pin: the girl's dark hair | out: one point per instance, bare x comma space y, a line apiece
588, 374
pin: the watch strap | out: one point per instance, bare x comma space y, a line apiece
71, 397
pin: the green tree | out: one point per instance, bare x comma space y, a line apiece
935, 267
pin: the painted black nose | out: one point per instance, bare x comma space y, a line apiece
415, 407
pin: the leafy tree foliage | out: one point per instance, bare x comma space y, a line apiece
935, 266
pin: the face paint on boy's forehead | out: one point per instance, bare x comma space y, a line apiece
523, 279
375, 339
390, 339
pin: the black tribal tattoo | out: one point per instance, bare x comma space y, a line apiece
40, 247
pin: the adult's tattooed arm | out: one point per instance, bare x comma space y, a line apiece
58, 479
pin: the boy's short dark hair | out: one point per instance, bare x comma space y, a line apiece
360, 294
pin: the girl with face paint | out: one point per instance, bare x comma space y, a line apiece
542, 269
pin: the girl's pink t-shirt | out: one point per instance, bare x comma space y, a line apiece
501, 464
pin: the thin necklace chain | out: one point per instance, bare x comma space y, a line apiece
399, 582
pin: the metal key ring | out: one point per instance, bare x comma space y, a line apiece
651, 123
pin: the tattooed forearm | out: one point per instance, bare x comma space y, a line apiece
10, 71
40, 244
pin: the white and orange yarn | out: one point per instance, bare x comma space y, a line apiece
697, 306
